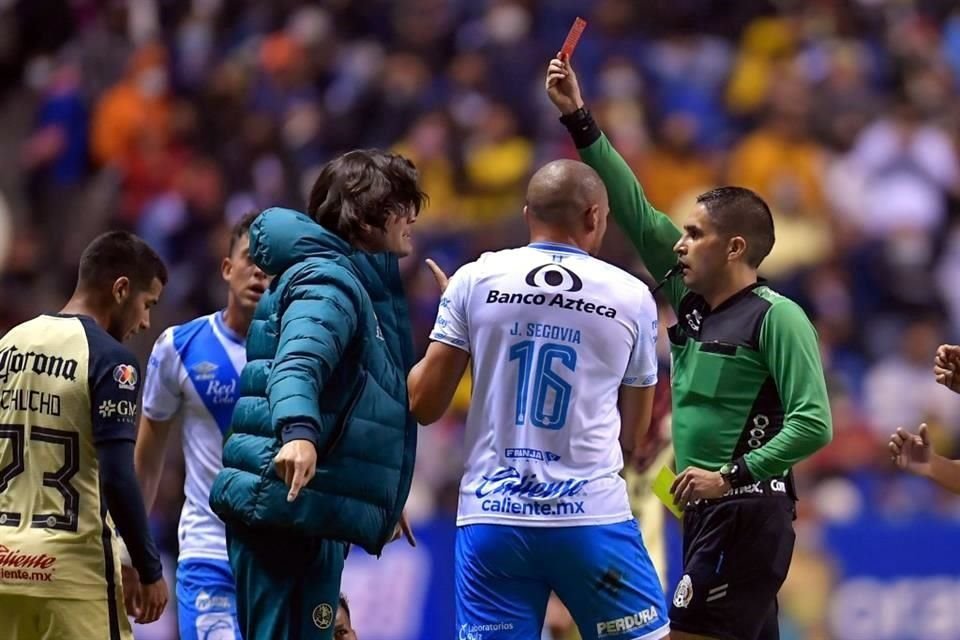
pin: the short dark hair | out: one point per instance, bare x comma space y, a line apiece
241, 228
364, 187
115, 254
737, 211
345, 605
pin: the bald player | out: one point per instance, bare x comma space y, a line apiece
564, 365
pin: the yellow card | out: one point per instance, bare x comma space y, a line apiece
661, 489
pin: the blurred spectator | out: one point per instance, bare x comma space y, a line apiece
900, 390
136, 106
781, 160
676, 168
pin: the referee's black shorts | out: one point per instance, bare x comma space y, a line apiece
736, 553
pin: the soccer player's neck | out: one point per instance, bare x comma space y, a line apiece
557, 237
82, 303
236, 317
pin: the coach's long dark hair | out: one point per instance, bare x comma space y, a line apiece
364, 187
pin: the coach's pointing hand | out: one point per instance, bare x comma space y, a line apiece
296, 464
403, 529
439, 275
562, 86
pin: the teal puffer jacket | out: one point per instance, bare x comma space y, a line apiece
329, 346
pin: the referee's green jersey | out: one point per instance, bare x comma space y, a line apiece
746, 377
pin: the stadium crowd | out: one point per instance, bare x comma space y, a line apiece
173, 118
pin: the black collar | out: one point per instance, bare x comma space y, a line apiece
739, 295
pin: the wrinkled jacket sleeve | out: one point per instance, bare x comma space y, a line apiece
318, 319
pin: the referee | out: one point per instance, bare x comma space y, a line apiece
749, 396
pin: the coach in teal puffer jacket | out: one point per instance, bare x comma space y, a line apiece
328, 353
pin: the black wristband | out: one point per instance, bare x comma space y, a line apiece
298, 431
582, 127
742, 476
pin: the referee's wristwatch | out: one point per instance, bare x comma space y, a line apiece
736, 473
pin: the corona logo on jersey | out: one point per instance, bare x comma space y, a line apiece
555, 278
125, 375
14, 361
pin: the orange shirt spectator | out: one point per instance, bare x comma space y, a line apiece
136, 104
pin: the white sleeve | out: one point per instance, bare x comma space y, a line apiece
642, 367
451, 326
162, 393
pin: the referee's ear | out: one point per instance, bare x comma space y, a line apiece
736, 249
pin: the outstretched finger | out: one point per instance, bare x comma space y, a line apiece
902, 433
924, 434
408, 532
438, 274
295, 485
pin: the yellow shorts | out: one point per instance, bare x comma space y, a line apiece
29, 618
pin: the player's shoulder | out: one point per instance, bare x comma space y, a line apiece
487, 263
106, 352
33, 325
495, 260
619, 282
619, 275
177, 337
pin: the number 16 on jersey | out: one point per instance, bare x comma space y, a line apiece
538, 375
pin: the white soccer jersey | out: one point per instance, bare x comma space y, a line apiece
553, 333
193, 374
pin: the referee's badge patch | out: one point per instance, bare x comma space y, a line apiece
684, 593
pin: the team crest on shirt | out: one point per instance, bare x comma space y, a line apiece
323, 616
204, 371
684, 593
125, 375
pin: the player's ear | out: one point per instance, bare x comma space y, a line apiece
226, 268
591, 218
121, 289
736, 248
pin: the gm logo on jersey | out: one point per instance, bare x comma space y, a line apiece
124, 409
125, 375
554, 276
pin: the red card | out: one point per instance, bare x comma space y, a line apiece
566, 51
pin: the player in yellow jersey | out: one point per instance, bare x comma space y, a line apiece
68, 402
